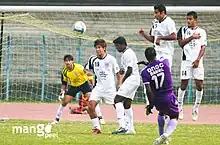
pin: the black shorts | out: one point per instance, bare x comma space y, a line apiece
84, 88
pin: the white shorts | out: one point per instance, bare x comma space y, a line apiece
98, 95
128, 89
188, 72
164, 55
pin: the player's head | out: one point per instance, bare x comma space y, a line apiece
120, 44
150, 54
191, 18
159, 11
100, 46
68, 60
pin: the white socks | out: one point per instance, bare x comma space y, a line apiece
120, 114
59, 112
98, 110
199, 95
95, 123
129, 118
180, 98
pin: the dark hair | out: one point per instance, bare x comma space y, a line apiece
160, 8
120, 40
150, 53
192, 13
100, 42
68, 57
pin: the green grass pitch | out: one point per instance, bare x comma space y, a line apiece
79, 133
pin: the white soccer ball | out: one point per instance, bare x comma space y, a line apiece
79, 26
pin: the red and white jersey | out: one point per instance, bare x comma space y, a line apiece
191, 50
164, 28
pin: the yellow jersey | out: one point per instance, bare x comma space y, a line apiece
75, 77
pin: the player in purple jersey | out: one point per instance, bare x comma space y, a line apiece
159, 88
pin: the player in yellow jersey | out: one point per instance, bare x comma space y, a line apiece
75, 75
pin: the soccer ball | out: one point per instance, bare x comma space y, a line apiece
79, 26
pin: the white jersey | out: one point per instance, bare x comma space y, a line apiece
104, 70
129, 59
191, 50
164, 28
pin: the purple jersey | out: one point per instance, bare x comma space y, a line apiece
157, 74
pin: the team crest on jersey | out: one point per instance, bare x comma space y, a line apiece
106, 64
76, 73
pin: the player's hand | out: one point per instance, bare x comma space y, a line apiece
158, 41
196, 35
141, 32
195, 63
148, 110
143, 62
61, 95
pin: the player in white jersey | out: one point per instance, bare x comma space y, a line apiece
127, 90
193, 41
105, 68
162, 34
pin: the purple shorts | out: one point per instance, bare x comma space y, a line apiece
168, 105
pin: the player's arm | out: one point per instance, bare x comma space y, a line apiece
181, 41
147, 37
64, 81
150, 96
128, 73
172, 36
172, 32
117, 71
202, 50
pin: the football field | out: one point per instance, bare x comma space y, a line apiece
78, 133
25, 127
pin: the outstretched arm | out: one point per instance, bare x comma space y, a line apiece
147, 37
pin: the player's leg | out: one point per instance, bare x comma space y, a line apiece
99, 114
129, 116
63, 104
72, 91
185, 75
198, 75
161, 122
125, 94
120, 112
83, 104
170, 107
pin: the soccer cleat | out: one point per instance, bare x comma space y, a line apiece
167, 141
181, 115
54, 122
120, 131
130, 131
96, 131
102, 121
161, 139
195, 114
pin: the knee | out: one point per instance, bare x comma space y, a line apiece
91, 106
127, 103
199, 85
118, 99
161, 114
184, 84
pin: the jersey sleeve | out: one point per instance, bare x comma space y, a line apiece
64, 78
115, 65
171, 27
89, 65
153, 26
179, 34
145, 76
129, 59
204, 38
